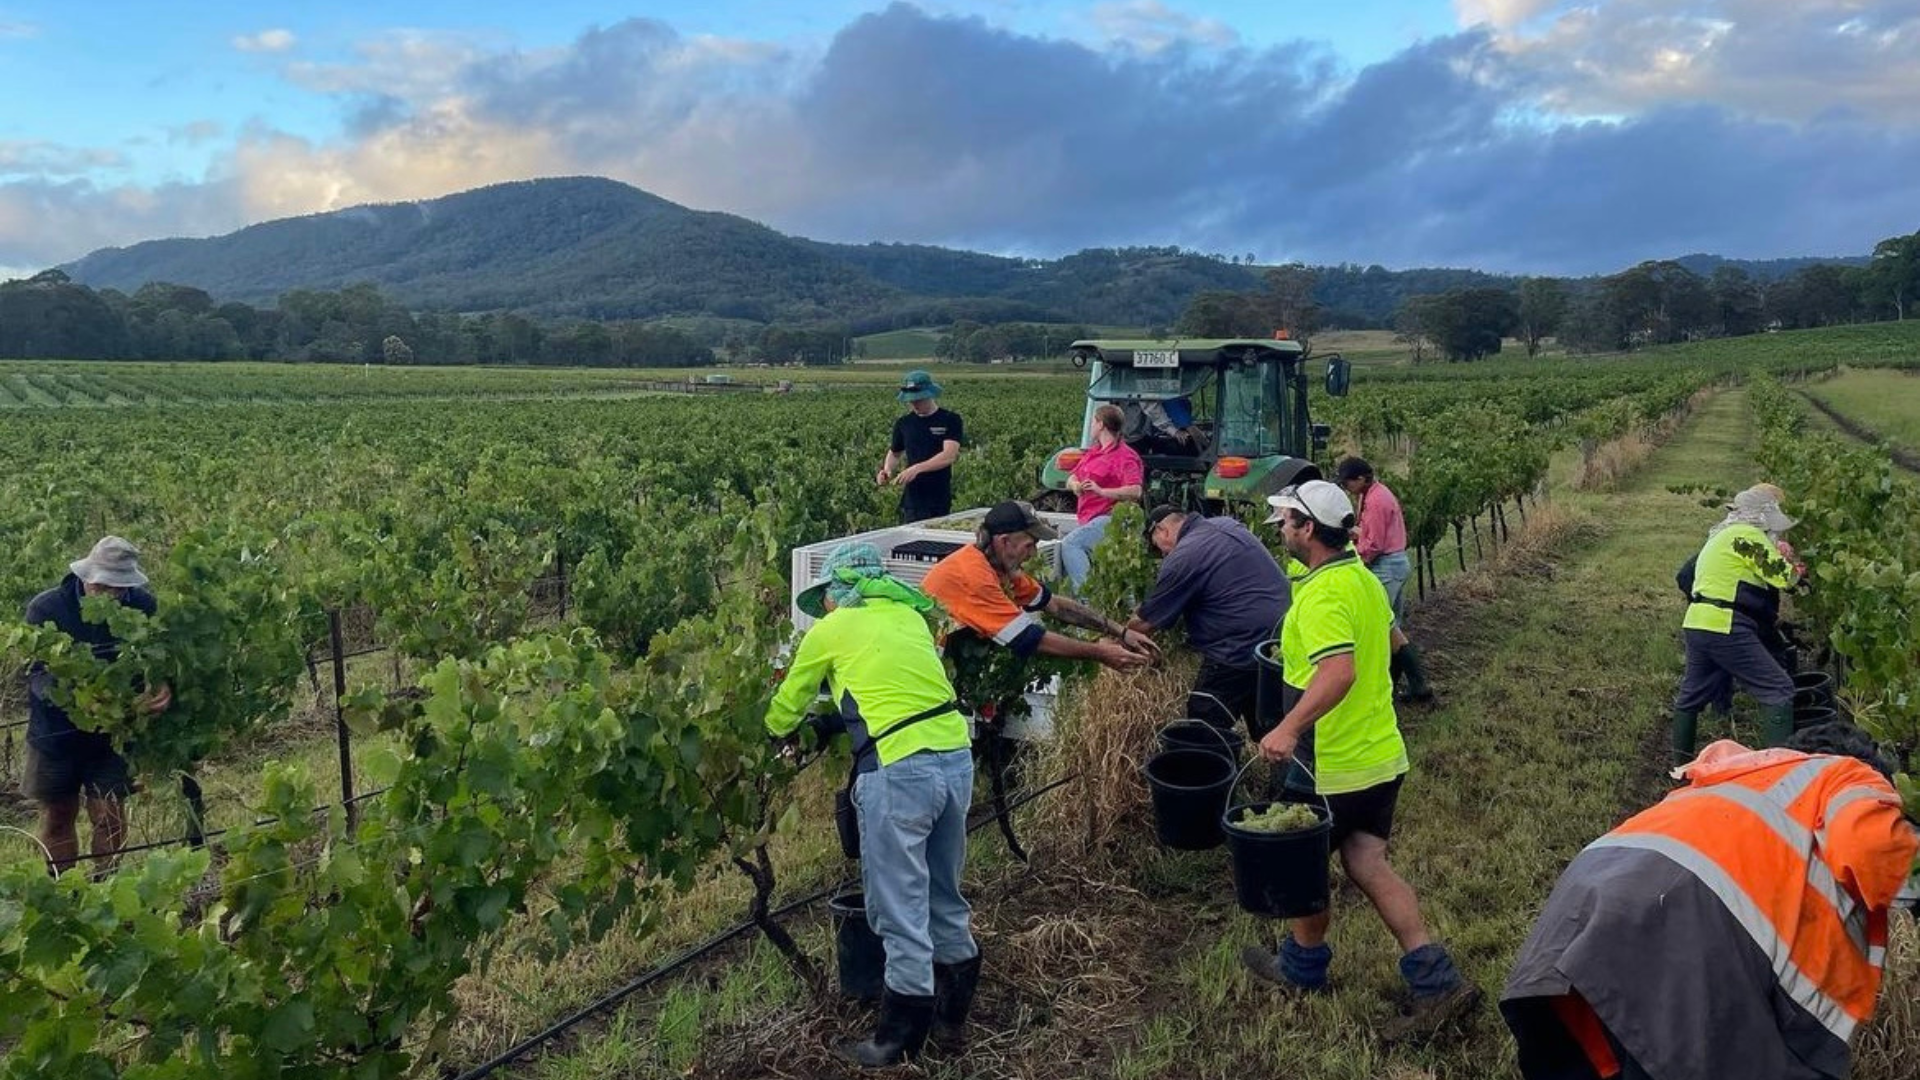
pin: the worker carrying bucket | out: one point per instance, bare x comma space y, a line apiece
1336, 641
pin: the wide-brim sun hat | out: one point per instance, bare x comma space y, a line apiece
1761, 505
113, 562
853, 560
918, 386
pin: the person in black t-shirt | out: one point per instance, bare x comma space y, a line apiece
929, 437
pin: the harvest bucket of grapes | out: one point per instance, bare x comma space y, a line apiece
1280, 853
1190, 789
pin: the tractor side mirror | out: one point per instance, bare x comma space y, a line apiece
1339, 372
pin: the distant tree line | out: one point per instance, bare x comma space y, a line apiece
1654, 303
49, 316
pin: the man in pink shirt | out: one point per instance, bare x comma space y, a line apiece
1381, 541
1109, 472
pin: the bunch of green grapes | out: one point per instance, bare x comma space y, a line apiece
1279, 818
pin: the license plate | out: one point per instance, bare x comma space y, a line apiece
1157, 358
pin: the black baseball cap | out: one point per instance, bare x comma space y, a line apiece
1014, 516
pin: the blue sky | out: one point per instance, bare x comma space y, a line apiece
1521, 135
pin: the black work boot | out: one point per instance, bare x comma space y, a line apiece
900, 1034
953, 989
1776, 723
1410, 661
1686, 725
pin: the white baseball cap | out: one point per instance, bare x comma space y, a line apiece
1317, 499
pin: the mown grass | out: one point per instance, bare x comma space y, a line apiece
1884, 402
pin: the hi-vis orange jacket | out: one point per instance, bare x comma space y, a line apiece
1735, 929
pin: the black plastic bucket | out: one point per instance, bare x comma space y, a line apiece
1189, 795
859, 953
1813, 688
1269, 689
1279, 875
1806, 716
1200, 735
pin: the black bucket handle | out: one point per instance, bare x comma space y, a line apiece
1228, 713
1327, 806
1197, 722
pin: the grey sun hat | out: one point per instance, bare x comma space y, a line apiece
113, 562
1760, 505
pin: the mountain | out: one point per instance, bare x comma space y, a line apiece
1765, 269
599, 249
576, 246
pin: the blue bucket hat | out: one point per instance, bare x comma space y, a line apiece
917, 386
852, 573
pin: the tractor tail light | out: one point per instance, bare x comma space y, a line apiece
1232, 468
1068, 459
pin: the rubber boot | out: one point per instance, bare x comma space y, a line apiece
900, 1034
953, 989
1415, 667
1776, 723
1686, 727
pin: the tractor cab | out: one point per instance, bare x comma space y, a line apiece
1216, 422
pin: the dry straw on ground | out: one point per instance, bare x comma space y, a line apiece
1104, 732
1886, 1051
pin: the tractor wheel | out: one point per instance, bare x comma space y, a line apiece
1055, 501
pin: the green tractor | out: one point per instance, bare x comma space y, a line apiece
1218, 423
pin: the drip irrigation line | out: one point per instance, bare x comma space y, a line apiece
697, 952
154, 845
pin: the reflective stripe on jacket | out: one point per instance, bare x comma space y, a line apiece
1726, 581
1738, 927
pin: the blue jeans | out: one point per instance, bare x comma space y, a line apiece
1076, 550
913, 846
1393, 571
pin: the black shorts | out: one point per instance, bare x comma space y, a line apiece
1369, 810
84, 764
1223, 694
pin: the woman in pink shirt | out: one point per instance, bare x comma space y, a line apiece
1381, 541
1109, 472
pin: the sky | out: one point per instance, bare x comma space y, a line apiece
1524, 136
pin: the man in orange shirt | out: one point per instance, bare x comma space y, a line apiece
1735, 929
984, 589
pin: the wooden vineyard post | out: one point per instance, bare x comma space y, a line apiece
340, 717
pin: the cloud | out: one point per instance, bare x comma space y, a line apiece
195, 132
43, 222
1151, 26
266, 41
16, 31
1463, 150
36, 157
1771, 59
